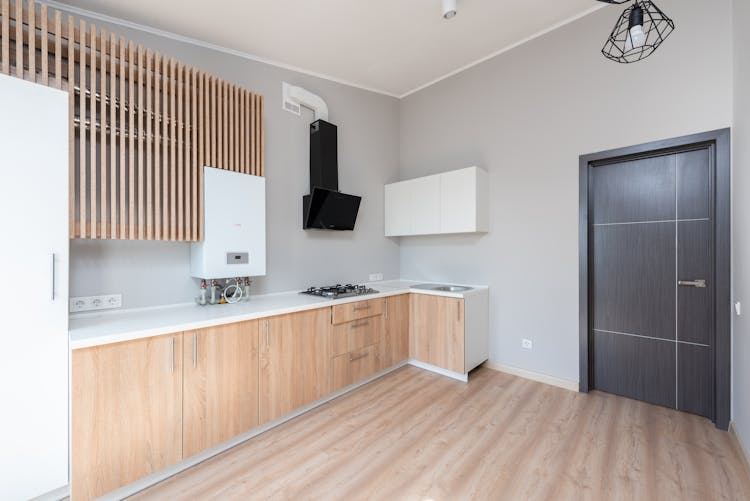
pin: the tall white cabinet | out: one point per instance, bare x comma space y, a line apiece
451, 202
34, 292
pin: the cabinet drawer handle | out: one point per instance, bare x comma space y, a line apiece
360, 324
352, 358
360, 308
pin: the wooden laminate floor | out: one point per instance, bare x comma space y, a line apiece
414, 435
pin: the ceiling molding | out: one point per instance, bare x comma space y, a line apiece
206, 45
244, 55
504, 49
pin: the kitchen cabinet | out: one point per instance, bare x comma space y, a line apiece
437, 331
353, 311
220, 389
451, 202
394, 344
34, 358
356, 365
126, 413
295, 361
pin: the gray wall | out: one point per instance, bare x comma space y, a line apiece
151, 273
741, 221
526, 116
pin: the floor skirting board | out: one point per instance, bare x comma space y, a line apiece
534, 376
739, 444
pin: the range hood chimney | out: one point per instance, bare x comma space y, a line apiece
325, 208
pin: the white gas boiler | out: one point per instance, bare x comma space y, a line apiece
234, 231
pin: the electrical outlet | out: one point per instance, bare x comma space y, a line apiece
527, 344
90, 303
376, 277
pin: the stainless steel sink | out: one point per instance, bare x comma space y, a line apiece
442, 288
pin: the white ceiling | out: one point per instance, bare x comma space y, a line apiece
390, 46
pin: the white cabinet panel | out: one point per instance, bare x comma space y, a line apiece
452, 202
34, 357
463, 201
397, 209
425, 205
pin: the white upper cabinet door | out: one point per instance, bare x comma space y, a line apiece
464, 204
397, 204
425, 205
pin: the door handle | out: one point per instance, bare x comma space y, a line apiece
692, 283
360, 324
268, 335
171, 363
53, 276
359, 308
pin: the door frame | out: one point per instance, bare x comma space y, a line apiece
719, 141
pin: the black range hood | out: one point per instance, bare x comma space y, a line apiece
325, 208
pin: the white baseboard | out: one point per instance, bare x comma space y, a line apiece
534, 376
439, 370
743, 450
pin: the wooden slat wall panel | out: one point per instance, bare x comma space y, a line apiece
113, 168
142, 125
104, 167
157, 142
149, 149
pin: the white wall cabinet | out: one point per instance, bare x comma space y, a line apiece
34, 356
452, 202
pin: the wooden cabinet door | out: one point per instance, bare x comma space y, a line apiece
220, 384
126, 413
394, 344
437, 331
295, 361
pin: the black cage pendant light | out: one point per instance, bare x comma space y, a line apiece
641, 29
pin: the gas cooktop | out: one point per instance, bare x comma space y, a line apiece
339, 291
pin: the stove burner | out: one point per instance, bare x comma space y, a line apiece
339, 291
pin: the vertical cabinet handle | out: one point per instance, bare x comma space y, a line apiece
458, 311
386, 308
195, 350
268, 336
172, 361
53, 276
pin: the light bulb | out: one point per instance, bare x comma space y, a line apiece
637, 36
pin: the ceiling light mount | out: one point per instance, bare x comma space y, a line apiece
639, 31
449, 9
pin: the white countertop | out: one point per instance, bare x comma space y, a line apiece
94, 329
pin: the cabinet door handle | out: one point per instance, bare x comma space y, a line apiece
458, 311
195, 350
53, 276
360, 324
172, 361
360, 308
386, 308
352, 358
268, 335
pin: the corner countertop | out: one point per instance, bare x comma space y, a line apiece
95, 329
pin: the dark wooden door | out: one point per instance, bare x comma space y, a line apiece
651, 236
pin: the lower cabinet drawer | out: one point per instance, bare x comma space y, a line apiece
353, 336
355, 366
